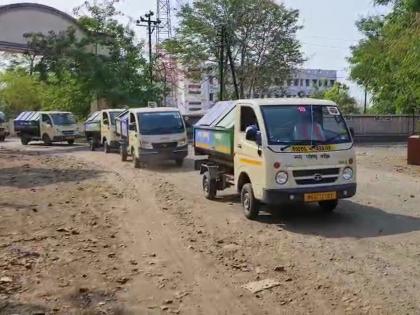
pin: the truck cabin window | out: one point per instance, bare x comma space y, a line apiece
46, 119
159, 123
63, 119
305, 125
248, 118
105, 120
132, 122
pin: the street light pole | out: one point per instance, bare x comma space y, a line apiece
151, 26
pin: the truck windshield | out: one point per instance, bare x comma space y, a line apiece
305, 125
159, 123
113, 115
63, 119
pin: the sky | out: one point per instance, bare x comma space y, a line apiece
328, 27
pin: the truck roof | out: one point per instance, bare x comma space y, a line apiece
286, 101
154, 110
113, 110
32, 115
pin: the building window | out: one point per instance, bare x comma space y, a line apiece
320, 82
296, 82
211, 97
308, 82
314, 82
332, 82
301, 82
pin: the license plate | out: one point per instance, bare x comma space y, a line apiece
313, 197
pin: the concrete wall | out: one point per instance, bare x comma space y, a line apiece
383, 127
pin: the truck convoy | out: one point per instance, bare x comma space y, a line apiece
275, 151
100, 129
49, 127
4, 129
152, 134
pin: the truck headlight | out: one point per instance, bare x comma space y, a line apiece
182, 142
146, 145
281, 178
347, 173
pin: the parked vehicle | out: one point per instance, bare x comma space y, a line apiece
152, 134
49, 127
4, 128
275, 151
100, 129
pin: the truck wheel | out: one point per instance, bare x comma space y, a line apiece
136, 161
46, 139
24, 140
70, 142
249, 203
209, 186
106, 147
123, 153
92, 145
329, 205
179, 162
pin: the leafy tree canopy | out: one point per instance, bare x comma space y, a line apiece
260, 36
387, 60
339, 93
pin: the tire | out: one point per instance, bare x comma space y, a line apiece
70, 142
106, 147
123, 153
329, 205
46, 139
179, 162
136, 161
24, 140
92, 145
250, 205
209, 187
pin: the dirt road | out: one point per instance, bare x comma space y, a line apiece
83, 233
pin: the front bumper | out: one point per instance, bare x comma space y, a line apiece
148, 155
63, 138
279, 196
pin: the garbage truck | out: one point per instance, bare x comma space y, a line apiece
152, 134
47, 126
276, 151
100, 129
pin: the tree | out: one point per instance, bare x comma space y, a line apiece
339, 93
387, 60
19, 92
259, 37
104, 63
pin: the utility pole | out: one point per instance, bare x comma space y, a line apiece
151, 26
365, 104
222, 62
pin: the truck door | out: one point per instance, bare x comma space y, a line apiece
47, 126
248, 157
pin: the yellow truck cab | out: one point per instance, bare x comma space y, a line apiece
100, 129
152, 134
4, 128
48, 126
275, 151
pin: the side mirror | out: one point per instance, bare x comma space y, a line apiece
251, 133
132, 126
352, 132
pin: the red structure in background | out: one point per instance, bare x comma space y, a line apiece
413, 150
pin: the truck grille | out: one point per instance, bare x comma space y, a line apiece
316, 176
68, 132
164, 145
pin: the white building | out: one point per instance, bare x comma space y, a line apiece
195, 96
